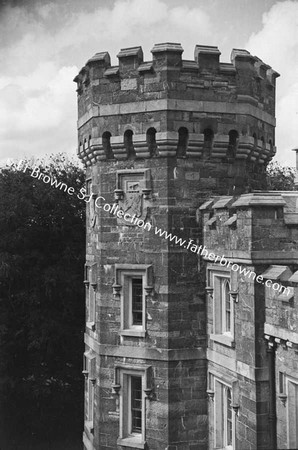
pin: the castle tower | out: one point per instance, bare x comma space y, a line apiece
158, 139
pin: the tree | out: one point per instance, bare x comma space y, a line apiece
280, 178
42, 253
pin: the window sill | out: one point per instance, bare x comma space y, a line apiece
223, 339
133, 333
89, 426
132, 441
90, 325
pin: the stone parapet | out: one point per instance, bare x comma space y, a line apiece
227, 109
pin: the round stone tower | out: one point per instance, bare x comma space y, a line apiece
158, 138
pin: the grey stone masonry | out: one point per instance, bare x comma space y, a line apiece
159, 138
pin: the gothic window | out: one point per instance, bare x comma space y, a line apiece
208, 141
222, 308
224, 420
233, 142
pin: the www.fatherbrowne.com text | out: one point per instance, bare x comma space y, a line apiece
133, 219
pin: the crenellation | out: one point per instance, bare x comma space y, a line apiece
207, 58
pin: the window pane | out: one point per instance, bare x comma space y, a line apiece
229, 417
137, 301
136, 404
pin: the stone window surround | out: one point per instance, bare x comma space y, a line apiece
213, 271
121, 386
128, 271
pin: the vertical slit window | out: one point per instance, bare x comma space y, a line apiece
151, 140
106, 143
229, 417
208, 141
182, 141
281, 383
233, 142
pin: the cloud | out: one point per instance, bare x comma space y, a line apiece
277, 44
43, 47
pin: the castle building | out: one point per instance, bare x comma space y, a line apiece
183, 350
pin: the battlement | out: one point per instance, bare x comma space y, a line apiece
201, 108
168, 56
256, 227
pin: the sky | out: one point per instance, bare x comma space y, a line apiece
44, 44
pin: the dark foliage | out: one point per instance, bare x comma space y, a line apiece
42, 252
280, 178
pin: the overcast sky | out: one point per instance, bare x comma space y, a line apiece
43, 44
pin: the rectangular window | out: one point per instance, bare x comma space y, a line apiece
224, 419
133, 383
136, 404
133, 303
136, 286
133, 282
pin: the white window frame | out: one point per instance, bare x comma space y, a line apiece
223, 391
90, 380
91, 285
124, 275
218, 280
126, 303
123, 376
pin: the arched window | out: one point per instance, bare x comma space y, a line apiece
255, 140
208, 141
182, 141
106, 143
151, 141
226, 308
233, 143
128, 143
